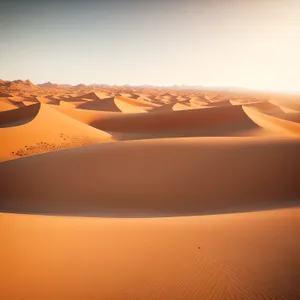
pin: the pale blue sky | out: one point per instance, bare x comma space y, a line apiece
252, 44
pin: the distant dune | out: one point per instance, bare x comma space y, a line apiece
6, 104
17, 85
48, 85
216, 121
273, 123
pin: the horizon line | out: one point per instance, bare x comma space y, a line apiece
217, 87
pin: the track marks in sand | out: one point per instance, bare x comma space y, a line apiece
43, 147
31, 125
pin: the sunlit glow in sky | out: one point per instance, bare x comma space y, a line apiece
236, 43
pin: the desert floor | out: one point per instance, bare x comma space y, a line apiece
113, 192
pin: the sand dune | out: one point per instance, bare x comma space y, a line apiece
180, 106
272, 109
27, 103
95, 96
70, 104
38, 128
147, 101
220, 103
217, 121
172, 176
84, 115
287, 101
118, 104
136, 102
273, 123
18, 116
73, 101
289, 113
129, 107
107, 104
17, 103
288, 110
6, 104
198, 101
50, 100
267, 108
16, 99
163, 108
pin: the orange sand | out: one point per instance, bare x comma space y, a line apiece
201, 201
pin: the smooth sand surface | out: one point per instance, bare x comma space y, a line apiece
274, 123
235, 256
155, 177
200, 202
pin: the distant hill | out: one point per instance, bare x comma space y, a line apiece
48, 85
17, 84
81, 85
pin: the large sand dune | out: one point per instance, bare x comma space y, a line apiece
6, 104
38, 128
215, 121
117, 104
156, 177
107, 104
201, 202
136, 102
273, 123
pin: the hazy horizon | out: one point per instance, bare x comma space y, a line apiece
252, 45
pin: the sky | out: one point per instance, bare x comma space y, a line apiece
252, 44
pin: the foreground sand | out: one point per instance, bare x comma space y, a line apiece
236, 256
148, 193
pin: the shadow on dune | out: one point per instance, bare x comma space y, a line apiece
54, 102
107, 104
127, 213
162, 108
17, 103
19, 116
155, 178
220, 103
267, 108
217, 121
50, 100
5, 95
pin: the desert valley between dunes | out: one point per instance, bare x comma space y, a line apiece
120, 192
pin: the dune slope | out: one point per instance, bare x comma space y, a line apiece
6, 104
155, 177
38, 128
272, 123
218, 121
